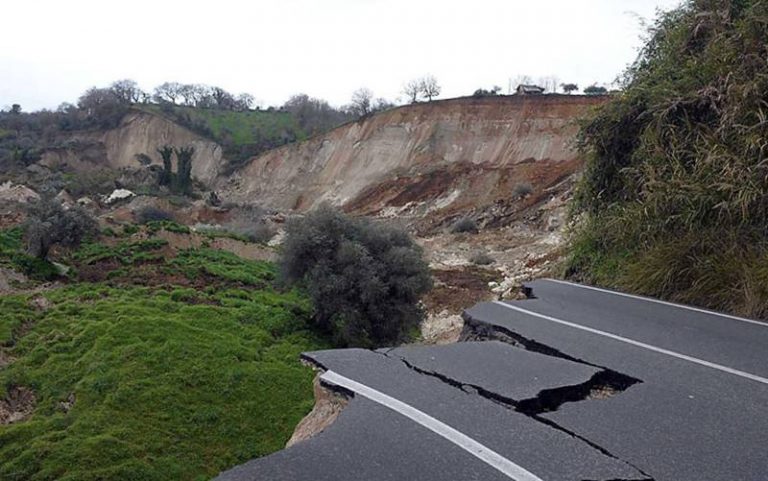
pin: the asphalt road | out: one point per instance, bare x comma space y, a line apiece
586, 385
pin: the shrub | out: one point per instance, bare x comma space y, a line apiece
595, 90
465, 224
152, 214
365, 279
673, 201
522, 189
130, 229
48, 223
481, 258
143, 159
260, 232
155, 226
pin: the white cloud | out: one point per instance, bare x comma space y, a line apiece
54, 50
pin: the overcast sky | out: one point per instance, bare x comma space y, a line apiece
52, 50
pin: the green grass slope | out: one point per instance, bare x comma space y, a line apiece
674, 200
181, 365
242, 134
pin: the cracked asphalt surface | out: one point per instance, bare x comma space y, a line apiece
562, 402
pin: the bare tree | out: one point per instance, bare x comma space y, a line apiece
429, 87
314, 115
361, 101
549, 83
244, 101
167, 92
381, 104
102, 106
412, 90
201, 96
187, 93
223, 99
127, 91
95, 97
521, 80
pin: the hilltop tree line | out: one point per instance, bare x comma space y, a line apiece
25, 136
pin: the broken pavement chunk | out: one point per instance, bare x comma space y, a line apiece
510, 372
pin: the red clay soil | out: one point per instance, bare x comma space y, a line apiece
480, 188
457, 289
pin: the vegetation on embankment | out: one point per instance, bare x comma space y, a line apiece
242, 133
170, 364
674, 200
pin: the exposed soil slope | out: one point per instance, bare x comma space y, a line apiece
426, 160
138, 133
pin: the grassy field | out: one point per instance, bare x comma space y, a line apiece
248, 127
180, 365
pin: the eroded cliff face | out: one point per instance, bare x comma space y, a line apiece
428, 161
144, 133
138, 133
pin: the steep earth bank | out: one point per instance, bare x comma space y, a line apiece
138, 133
427, 163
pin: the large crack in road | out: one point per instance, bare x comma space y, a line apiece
562, 398
603, 384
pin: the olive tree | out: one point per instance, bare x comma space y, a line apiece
365, 278
48, 224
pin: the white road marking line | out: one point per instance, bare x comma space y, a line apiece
658, 301
485, 454
650, 347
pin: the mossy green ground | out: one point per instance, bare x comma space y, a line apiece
170, 382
